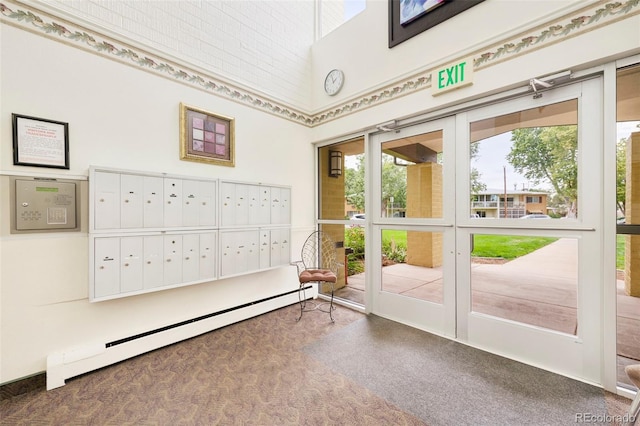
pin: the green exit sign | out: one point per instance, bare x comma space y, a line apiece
452, 76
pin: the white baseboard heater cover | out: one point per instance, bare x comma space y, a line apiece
92, 356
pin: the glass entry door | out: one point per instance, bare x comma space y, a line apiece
412, 228
528, 229
487, 228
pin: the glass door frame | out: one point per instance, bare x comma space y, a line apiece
582, 353
429, 316
609, 297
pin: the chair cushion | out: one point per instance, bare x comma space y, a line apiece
312, 275
633, 371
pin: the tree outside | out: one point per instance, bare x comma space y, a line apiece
394, 185
549, 155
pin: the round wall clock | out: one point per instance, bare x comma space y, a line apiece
333, 82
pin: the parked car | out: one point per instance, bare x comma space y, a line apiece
536, 216
359, 217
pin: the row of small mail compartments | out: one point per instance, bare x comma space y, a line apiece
130, 201
129, 265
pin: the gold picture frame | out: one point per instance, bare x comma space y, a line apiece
206, 137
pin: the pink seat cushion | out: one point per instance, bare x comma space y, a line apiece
633, 371
311, 275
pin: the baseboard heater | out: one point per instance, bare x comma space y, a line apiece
92, 356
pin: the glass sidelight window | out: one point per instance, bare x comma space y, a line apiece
341, 170
628, 220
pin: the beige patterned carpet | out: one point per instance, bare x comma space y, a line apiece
255, 372
250, 373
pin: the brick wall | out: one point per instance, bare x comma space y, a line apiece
264, 45
632, 214
424, 200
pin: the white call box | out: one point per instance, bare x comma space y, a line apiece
45, 204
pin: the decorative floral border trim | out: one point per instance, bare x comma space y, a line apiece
102, 45
595, 16
600, 15
579, 23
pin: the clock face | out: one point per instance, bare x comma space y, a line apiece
333, 82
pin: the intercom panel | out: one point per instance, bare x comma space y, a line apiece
45, 205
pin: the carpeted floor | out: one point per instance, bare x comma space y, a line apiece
444, 382
272, 370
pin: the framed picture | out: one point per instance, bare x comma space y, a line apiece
408, 18
206, 137
40, 142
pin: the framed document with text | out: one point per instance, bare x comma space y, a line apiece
40, 142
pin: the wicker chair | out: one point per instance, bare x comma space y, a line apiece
319, 264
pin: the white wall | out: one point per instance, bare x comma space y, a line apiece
264, 45
123, 117
360, 48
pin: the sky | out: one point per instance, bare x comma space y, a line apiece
492, 158
353, 7
491, 162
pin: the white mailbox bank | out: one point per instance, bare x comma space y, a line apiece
153, 231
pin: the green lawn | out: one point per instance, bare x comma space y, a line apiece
400, 237
620, 251
507, 246
504, 246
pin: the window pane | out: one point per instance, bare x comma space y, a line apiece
412, 264
532, 280
341, 177
334, 13
412, 176
524, 164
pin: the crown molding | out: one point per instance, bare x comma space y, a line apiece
593, 16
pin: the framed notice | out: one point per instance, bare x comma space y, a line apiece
40, 142
206, 137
